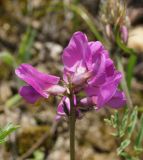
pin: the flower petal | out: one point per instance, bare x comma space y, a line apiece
29, 94
39, 81
91, 90
95, 47
65, 102
110, 69
87, 101
99, 74
60, 109
76, 51
107, 90
56, 89
118, 100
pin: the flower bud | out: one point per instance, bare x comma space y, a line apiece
124, 33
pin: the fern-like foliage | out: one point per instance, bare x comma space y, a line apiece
129, 131
6, 131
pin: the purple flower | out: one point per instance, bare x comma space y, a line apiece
39, 84
87, 69
88, 65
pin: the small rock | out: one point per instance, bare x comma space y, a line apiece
55, 50
103, 156
58, 155
85, 153
27, 119
45, 116
5, 91
135, 40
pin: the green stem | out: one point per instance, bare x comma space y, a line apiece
72, 120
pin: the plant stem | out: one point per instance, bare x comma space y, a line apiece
72, 120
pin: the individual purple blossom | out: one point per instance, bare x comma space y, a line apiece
87, 68
39, 84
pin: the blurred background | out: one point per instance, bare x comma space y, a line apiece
36, 32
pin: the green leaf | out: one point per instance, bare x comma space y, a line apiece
38, 155
26, 44
130, 67
132, 122
108, 121
123, 145
13, 101
116, 119
138, 149
124, 123
4, 132
128, 157
138, 142
114, 122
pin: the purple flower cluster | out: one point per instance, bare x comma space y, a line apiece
88, 71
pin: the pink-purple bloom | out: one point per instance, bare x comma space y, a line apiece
87, 68
39, 84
